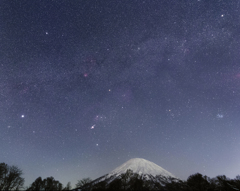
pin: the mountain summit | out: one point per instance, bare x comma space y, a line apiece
134, 174
141, 167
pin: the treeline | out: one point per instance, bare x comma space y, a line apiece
48, 183
196, 182
11, 179
132, 181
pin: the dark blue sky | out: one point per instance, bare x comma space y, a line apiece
87, 85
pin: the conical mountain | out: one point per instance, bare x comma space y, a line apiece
141, 167
144, 168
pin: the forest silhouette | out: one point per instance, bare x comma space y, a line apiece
11, 179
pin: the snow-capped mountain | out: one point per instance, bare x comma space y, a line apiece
141, 167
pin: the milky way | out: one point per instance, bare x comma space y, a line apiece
88, 85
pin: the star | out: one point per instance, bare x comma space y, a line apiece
93, 126
22, 116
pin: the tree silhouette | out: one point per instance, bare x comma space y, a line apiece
83, 182
68, 187
10, 177
47, 184
138, 184
37, 185
224, 183
197, 182
100, 186
51, 184
237, 181
116, 185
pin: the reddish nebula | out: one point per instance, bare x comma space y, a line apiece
238, 75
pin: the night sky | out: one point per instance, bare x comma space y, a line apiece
87, 85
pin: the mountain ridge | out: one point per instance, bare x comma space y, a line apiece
136, 168
140, 166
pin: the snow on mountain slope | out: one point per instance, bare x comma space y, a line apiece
145, 169
140, 166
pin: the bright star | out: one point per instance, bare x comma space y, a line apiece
22, 116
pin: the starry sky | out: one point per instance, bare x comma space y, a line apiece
87, 85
